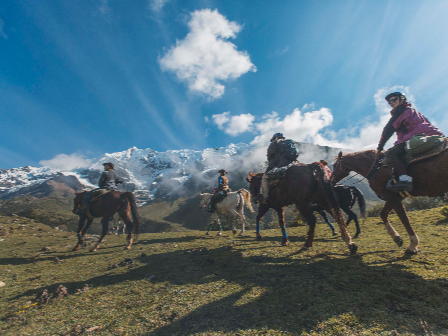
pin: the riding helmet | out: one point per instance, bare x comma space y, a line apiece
395, 94
109, 164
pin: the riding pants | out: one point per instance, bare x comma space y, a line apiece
395, 157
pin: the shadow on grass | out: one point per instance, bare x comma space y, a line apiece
285, 293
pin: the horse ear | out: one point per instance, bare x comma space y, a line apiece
340, 155
249, 177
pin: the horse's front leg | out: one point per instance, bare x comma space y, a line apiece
308, 214
384, 215
105, 228
79, 234
219, 223
414, 241
281, 223
262, 209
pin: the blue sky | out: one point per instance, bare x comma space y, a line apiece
91, 76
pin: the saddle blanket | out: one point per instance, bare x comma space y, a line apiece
97, 194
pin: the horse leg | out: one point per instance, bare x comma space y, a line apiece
401, 213
105, 228
209, 228
219, 224
125, 215
352, 215
79, 234
389, 228
239, 216
262, 209
307, 213
281, 223
324, 216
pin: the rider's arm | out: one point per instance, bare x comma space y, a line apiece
389, 129
102, 180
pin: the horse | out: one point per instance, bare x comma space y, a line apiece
106, 206
300, 184
233, 203
429, 179
347, 197
117, 224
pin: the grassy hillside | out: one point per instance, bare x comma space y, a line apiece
185, 283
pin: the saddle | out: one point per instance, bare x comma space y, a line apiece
220, 196
432, 152
276, 174
96, 195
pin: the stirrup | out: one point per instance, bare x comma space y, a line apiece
399, 186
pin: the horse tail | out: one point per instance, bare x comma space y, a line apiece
361, 201
246, 196
135, 217
324, 181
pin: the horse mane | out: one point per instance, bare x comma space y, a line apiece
361, 155
256, 174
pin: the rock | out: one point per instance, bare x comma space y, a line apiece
61, 292
56, 260
46, 249
43, 296
2, 284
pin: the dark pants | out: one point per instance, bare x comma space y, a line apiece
395, 158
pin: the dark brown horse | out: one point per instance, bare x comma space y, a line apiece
301, 184
105, 207
429, 177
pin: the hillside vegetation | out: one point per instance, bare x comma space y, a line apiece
185, 283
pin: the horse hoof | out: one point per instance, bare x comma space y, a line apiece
127, 248
259, 238
410, 251
207, 233
399, 241
76, 248
353, 248
305, 248
93, 250
241, 234
219, 234
356, 236
334, 233
285, 241
234, 231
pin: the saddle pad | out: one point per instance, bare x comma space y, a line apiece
278, 172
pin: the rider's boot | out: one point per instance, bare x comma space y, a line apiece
404, 183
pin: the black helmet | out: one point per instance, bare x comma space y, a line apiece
277, 135
110, 164
395, 94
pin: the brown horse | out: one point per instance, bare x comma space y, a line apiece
105, 208
301, 184
429, 179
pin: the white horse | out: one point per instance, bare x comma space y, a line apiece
117, 223
233, 203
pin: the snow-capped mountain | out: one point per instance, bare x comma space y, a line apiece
151, 174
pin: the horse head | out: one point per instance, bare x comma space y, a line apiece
254, 183
77, 201
203, 200
340, 170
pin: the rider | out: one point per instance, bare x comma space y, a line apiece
406, 122
275, 159
108, 180
222, 190
327, 169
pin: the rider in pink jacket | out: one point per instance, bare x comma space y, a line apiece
406, 122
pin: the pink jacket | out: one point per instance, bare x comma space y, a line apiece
412, 122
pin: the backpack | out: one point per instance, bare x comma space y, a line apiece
422, 143
289, 150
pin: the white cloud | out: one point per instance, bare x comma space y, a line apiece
66, 162
2, 29
204, 58
157, 5
310, 126
233, 125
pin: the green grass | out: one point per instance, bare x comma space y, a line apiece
185, 283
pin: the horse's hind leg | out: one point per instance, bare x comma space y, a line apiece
239, 216
79, 234
389, 228
262, 209
352, 215
105, 229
